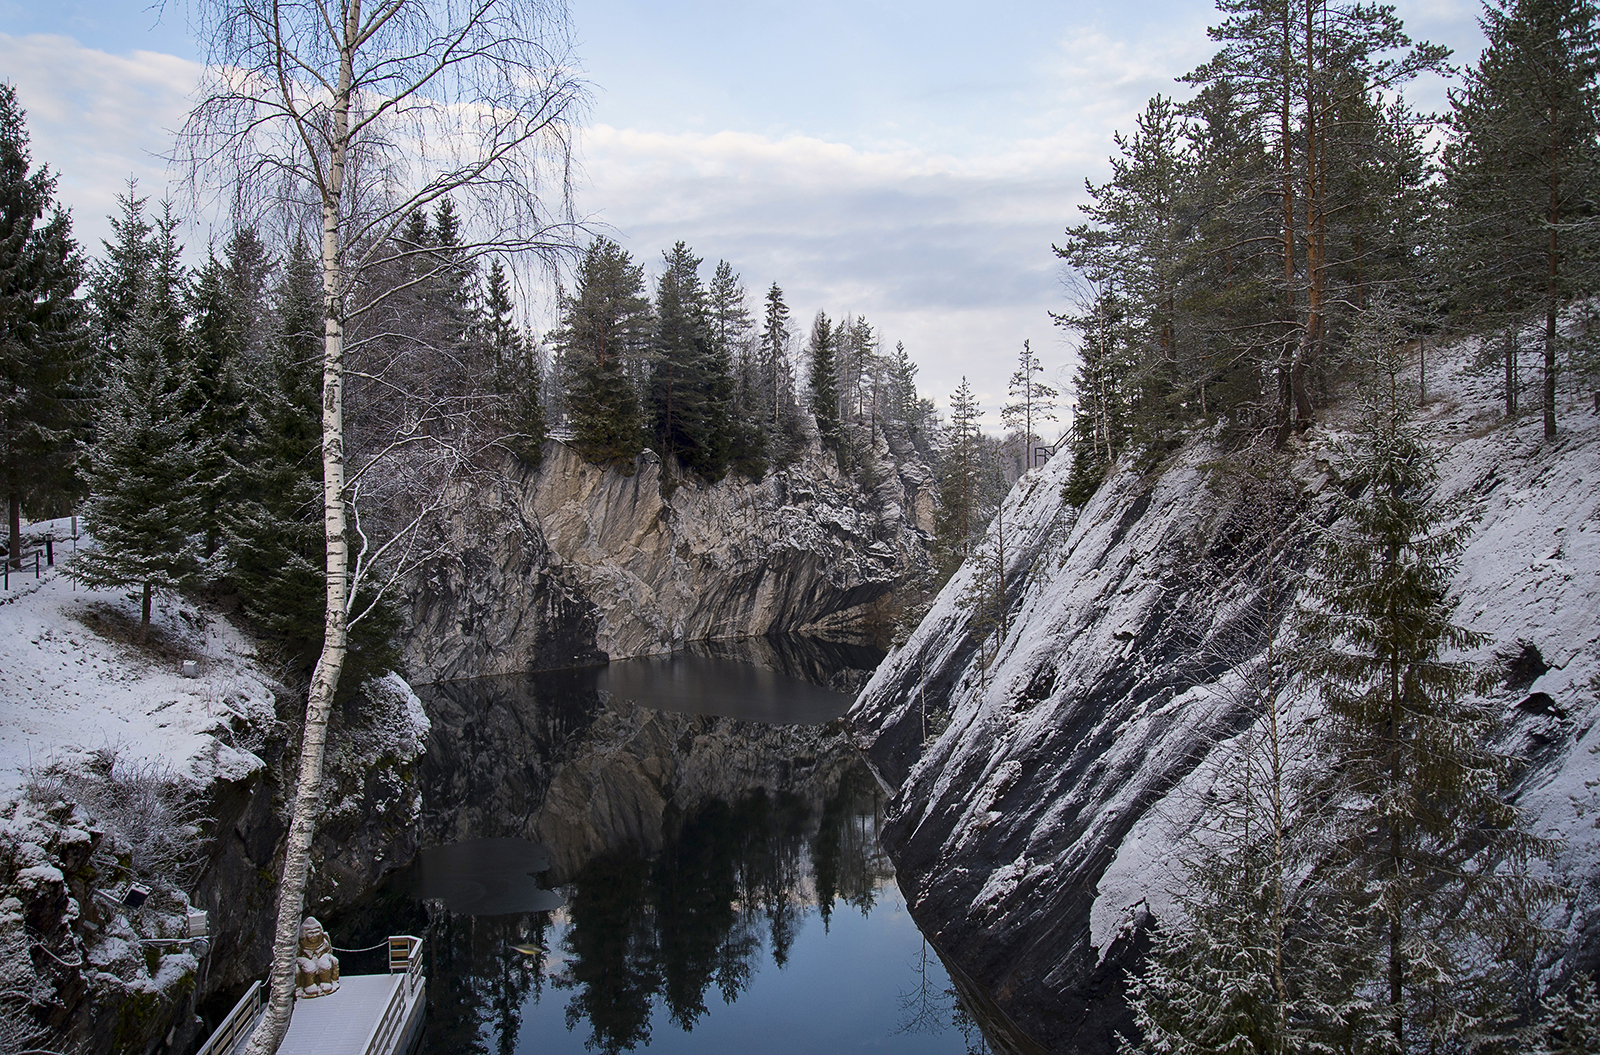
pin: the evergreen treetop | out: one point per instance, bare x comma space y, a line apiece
43, 353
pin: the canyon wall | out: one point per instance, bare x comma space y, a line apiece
575, 563
1045, 764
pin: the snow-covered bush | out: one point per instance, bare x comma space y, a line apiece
19, 983
151, 817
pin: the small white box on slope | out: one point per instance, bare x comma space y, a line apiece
199, 923
191, 668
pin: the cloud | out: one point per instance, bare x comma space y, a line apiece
97, 119
942, 241
948, 253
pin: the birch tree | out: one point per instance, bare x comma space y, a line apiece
352, 117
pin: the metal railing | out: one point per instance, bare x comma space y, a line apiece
237, 1025
405, 957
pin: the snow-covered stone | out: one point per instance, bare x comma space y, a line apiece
1044, 778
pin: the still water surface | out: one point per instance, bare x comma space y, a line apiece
662, 855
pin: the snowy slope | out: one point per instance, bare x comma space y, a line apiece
1035, 830
70, 680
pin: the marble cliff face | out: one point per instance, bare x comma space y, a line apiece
1043, 768
574, 563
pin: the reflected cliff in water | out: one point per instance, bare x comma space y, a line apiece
705, 873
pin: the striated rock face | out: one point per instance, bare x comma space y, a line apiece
576, 563
493, 600
1043, 774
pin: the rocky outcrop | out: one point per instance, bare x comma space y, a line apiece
576, 563
493, 598
1044, 766
113, 978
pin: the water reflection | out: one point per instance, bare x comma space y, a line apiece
696, 683
485, 877
721, 878
725, 895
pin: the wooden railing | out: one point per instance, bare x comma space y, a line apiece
237, 1025
405, 957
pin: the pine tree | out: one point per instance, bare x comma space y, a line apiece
1033, 403
603, 342
1435, 861
1524, 169
961, 479
42, 333
824, 381
1304, 74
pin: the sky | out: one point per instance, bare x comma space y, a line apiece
911, 162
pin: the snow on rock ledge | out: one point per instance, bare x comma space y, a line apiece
1037, 776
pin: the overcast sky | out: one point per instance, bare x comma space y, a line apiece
907, 161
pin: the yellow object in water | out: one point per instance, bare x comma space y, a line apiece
527, 950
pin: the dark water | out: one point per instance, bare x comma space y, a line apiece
664, 855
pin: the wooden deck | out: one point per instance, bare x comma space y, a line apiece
370, 1014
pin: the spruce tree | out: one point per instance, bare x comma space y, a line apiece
731, 323
224, 322
603, 344
1100, 432
785, 435
1138, 237
1571, 1025
43, 403
691, 387
119, 279
1433, 861
518, 374
273, 534
823, 381
145, 503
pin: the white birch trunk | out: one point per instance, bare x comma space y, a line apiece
274, 1023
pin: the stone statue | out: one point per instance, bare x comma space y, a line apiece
316, 967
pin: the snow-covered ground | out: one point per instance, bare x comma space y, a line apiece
72, 679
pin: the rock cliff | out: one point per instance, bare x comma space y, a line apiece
575, 563
1043, 766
